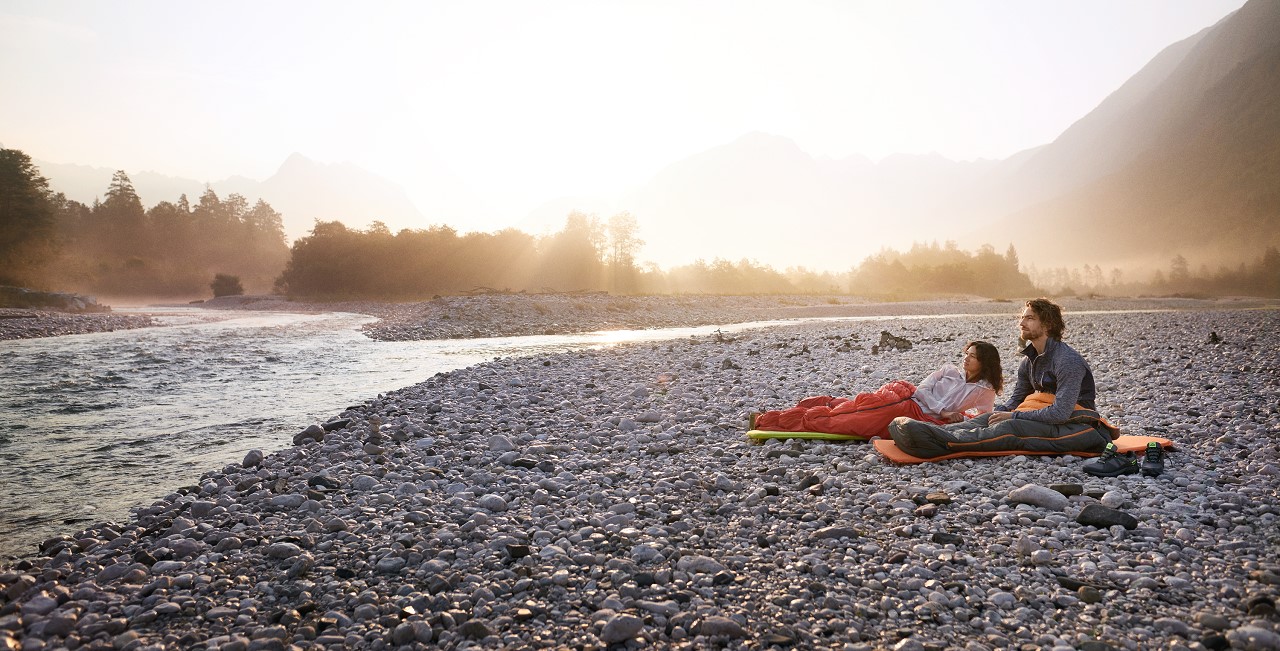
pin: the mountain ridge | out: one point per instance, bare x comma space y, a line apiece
1206, 186
1183, 155
301, 189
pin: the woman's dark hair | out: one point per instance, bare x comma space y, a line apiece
989, 358
1050, 315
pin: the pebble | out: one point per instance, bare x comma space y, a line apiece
1113, 499
621, 627
1102, 517
721, 626
634, 512
1038, 496
1253, 638
252, 459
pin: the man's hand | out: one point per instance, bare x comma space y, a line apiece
951, 416
998, 417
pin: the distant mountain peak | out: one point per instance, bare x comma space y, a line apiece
763, 139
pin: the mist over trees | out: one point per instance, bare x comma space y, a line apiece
336, 262
1259, 276
118, 247
27, 235
587, 255
930, 269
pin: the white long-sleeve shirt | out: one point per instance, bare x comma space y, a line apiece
947, 390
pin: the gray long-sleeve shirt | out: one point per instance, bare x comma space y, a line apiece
1059, 370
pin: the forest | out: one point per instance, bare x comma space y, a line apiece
116, 247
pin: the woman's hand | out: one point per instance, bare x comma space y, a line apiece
951, 416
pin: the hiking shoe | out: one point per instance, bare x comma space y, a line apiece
1112, 463
1152, 460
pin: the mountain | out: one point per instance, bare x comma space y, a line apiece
762, 198
305, 191
85, 183
301, 190
1183, 158
549, 217
1187, 161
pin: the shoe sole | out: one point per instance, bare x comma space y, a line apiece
1152, 472
1113, 473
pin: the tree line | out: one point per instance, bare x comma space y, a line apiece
588, 255
117, 247
337, 262
930, 269
1256, 277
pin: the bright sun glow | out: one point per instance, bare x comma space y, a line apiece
485, 111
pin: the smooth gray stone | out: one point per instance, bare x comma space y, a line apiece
282, 550
252, 458
1102, 517
621, 627
721, 626
699, 564
1037, 495
313, 432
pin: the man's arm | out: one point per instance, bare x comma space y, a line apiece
1021, 390
1069, 370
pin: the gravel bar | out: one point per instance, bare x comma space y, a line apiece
608, 499
17, 323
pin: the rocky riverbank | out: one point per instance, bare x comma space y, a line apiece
502, 315
18, 323
608, 498
505, 315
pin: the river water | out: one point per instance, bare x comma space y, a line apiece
91, 425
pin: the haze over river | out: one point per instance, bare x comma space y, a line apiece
91, 425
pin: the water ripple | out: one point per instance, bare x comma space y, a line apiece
94, 424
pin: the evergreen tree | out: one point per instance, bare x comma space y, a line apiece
27, 227
121, 220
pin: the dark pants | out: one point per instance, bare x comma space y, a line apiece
927, 440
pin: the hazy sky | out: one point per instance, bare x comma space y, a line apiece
527, 101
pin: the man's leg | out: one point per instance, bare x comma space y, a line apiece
926, 440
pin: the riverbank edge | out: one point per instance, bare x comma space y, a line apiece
456, 440
30, 323
509, 315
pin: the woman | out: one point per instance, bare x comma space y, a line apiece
949, 395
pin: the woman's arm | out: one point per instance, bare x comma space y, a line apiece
981, 400
927, 385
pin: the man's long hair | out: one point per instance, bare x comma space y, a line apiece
1050, 315
989, 359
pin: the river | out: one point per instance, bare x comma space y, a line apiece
91, 425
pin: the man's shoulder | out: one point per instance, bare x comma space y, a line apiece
1063, 352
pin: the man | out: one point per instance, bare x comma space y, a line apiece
1053, 407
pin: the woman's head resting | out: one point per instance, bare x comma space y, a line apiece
982, 362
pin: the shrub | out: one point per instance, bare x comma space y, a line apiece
226, 285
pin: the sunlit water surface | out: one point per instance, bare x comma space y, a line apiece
91, 425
